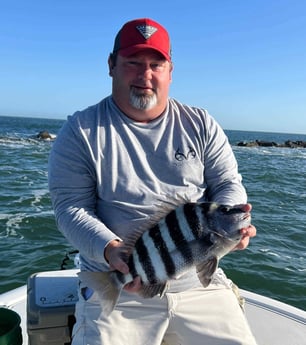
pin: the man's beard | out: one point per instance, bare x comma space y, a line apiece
142, 101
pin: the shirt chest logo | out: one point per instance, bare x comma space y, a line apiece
185, 155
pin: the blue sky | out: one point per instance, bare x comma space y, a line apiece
244, 61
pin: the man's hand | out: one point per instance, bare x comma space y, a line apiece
134, 286
113, 255
247, 233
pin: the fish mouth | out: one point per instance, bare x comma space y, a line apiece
224, 234
246, 216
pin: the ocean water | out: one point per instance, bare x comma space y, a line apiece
274, 264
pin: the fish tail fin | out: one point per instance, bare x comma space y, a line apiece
106, 285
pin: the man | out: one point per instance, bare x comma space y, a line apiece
113, 166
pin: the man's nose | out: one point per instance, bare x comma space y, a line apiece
145, 72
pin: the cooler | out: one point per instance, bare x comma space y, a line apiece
50, 307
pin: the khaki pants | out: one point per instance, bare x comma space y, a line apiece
192, 317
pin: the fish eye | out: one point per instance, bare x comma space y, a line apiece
225, 209
230, 210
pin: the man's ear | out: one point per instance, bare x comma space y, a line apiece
111, 64
171, 71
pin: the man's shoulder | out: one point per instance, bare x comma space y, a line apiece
92, 115
92, 109
188, 110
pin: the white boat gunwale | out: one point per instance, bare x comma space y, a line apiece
273, 322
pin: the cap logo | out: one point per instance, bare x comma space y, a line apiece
146, 30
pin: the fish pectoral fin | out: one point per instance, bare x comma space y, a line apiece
206, 269
152, 290
105, 285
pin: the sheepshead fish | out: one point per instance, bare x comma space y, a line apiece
194, 235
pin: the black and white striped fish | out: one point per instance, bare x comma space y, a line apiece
193, 235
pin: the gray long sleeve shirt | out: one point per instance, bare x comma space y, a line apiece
108, 174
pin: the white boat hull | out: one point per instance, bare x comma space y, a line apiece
272, 322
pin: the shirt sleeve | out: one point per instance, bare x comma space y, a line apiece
224, 183
72, 185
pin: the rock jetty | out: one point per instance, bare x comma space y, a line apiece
288, 143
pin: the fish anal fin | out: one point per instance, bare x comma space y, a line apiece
152, 290
206, 269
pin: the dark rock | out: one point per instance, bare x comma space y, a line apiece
45, 135
288, 143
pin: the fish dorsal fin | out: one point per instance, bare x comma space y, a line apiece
129, 243
163, 207
206, 269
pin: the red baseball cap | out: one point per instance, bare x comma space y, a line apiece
140, 34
